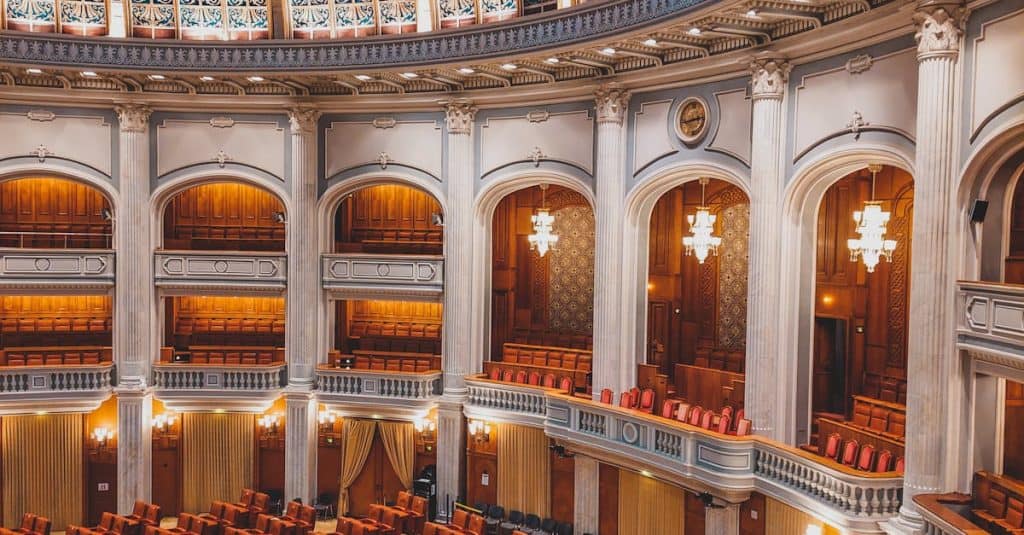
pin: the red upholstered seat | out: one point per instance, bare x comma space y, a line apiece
646, 401
565, 385
534, 378
607, 396
833, 445
495, 374
850, 449
625, 401
865, 457
549, 380
884, 461
723, 424
668, 408
899, 465
695, 414
706, 419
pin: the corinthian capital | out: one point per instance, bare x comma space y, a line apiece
769, 77
133, 117
611, 101
303, 120
939, 27
459, 115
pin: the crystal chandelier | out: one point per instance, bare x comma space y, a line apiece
542, 239
872, 245
702, 224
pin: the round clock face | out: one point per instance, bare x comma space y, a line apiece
693, 120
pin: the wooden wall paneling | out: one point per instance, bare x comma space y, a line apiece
224, 216
328, 463
1013, 445
481, 461
563, 487
388, 212
167, 491
608, 500
752, 515
101, 463
695, 514
51, 205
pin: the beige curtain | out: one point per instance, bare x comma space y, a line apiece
647, 505
400, 444
781, 519
218, 452
42, 458
358, 438
524, 469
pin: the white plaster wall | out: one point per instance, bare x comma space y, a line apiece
885, 95
184, 142
563, 136
999, 66
651, 133
416, 143
733, 134
83, 139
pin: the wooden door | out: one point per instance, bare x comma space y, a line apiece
1013, 447
829, 382
377, 483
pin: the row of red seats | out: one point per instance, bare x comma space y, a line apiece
727, 422
533, 378
866, 458
188, 325
55, 356
998, 504
31, 524
462, 522
408, 516
406, 329
144, 516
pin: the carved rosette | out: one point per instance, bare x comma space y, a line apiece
303, 120
133, 117
611, 101
939, 28
459, 115
769, 77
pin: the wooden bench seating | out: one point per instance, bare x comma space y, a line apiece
718, 359
573, 363
885, 388
221, 355
188, 231
867, 443
405, 329
56, 325
55, 356
998, 503
883, 417
553, 339
385, 361
190, 326
709, 387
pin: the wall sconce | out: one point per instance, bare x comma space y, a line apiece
426, 428
269, 422
101, 435
163, 422
480, 430
279, 217
326, 419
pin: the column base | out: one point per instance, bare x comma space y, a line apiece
907, 523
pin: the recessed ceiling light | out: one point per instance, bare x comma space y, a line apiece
34, 71
695, 31
510, 66
207, 78
651, 42
752, 13
255, 78
608, 51
157, 77
364, 77
410, 75
466, 70
552, 60
89, 74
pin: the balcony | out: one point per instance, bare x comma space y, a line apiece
221, 270
66, 269
851, 500
368, 276
60, 388
186, 387
990, 325
399, 393
946, 514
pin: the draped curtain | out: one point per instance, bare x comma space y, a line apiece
400, 444
356, 443
524, 470
218, 452
647, 505
781, 519
42, 468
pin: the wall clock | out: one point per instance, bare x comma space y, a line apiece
692, 120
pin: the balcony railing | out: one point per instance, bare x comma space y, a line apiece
354, 274
207, 377
249, 270
392, 393
990, 322
849, 499
60, 387
61, 267
941, 514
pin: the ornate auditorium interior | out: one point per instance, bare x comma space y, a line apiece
511, 267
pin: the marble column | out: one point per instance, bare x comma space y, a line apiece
134, 447
934, 379
586, 497
722, 520
135, 297
614, 368
300, 438
770, 76
457, 359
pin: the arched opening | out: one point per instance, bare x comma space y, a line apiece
697, 308
542, 305
54, 213
224, 216
388, 219
858, 385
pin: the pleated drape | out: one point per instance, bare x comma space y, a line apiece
217, 457
647, 505
42, 458
356, 443
400, 444
781, 519
524, 470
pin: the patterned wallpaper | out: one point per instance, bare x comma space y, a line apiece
732, 276
571, 270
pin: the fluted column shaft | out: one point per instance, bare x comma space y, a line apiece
134, 448
768, 88
613, 368
933, 375
300, 438
587, 504
135, 298
722, 520
457, 357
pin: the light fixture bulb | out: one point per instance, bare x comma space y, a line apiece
872, 246
702, 242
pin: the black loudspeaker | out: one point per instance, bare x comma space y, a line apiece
978, 210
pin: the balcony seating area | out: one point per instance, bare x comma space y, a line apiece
866, 457
998, 504
876, 432
227, 328
31, 524
224, 355
719, 359
57, 324
885, 388
384, 361
727, 421
211, 237
886, 418
226, 341
575, 364
395, 336
709, 387
394, 241
56, 356
532, 378
552, 339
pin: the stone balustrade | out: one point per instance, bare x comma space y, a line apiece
206, 377
205, 269
26, 268
56, 388
990, 325
365, 275
392, 393
509, 401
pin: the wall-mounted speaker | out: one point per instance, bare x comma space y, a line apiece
978, 210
